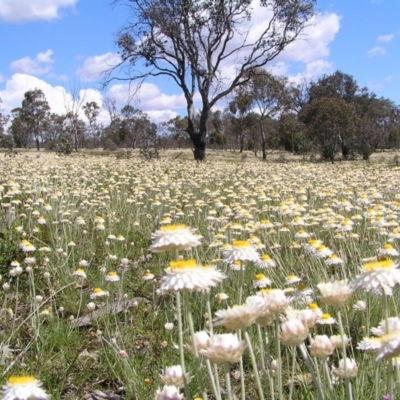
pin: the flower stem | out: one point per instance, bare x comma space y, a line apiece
304, 353
278, 358
228, 382
180, 339
255, 369
349, 392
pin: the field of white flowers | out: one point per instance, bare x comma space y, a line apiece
169, 279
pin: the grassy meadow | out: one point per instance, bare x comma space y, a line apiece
81, 268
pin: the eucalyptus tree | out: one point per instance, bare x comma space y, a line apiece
32, 116
3, 119
206, 47
270, 97
92, 110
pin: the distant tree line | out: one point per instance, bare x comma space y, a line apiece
330, 116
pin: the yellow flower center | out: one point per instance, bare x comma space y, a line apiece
260, 277
302, 287
313, 306
112, 273
181, 264
290, 277
388, 246
265, 257
80, 270
241, 244
326, 316
173, 228
21, 380
97, 290
379, 265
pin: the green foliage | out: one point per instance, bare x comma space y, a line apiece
110, 145
64, 145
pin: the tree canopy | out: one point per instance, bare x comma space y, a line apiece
194, 42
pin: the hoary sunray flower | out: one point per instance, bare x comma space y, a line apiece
333, 259
112, 277
188, 275
321, 347
346, 369
173, 237
174, 376
239, 316
276, 299
224, 348
241, 250
335, 293
291, 279
99, 293
326, 319
23, 388
80, 272
302, 234
378, 275
168, 392
148, 276
293, 332
261, 281
388, 250
322, 251
265, 261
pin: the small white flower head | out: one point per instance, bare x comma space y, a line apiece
91, 306
388, 251
174, 376
326, 319
169, 326
292, 279
220, 297
224, 348
112, 277
83, 263
148, 276
293, 332
379, 275
265, 261
335, 293
168, 392
188, 275
98, 293
360, 305
338, 341
346, 369
79, 273
321, 347
23, 388
261, 282
241, 250
173, 237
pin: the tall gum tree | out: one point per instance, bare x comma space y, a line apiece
207, 47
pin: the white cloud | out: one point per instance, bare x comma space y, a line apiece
31, 10
40, 65
1, 78
148, 98
376, 51
389, 79
93, 67
314, 43
157, 105
385, 38
313, 70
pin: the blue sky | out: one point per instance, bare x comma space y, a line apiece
62, 46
